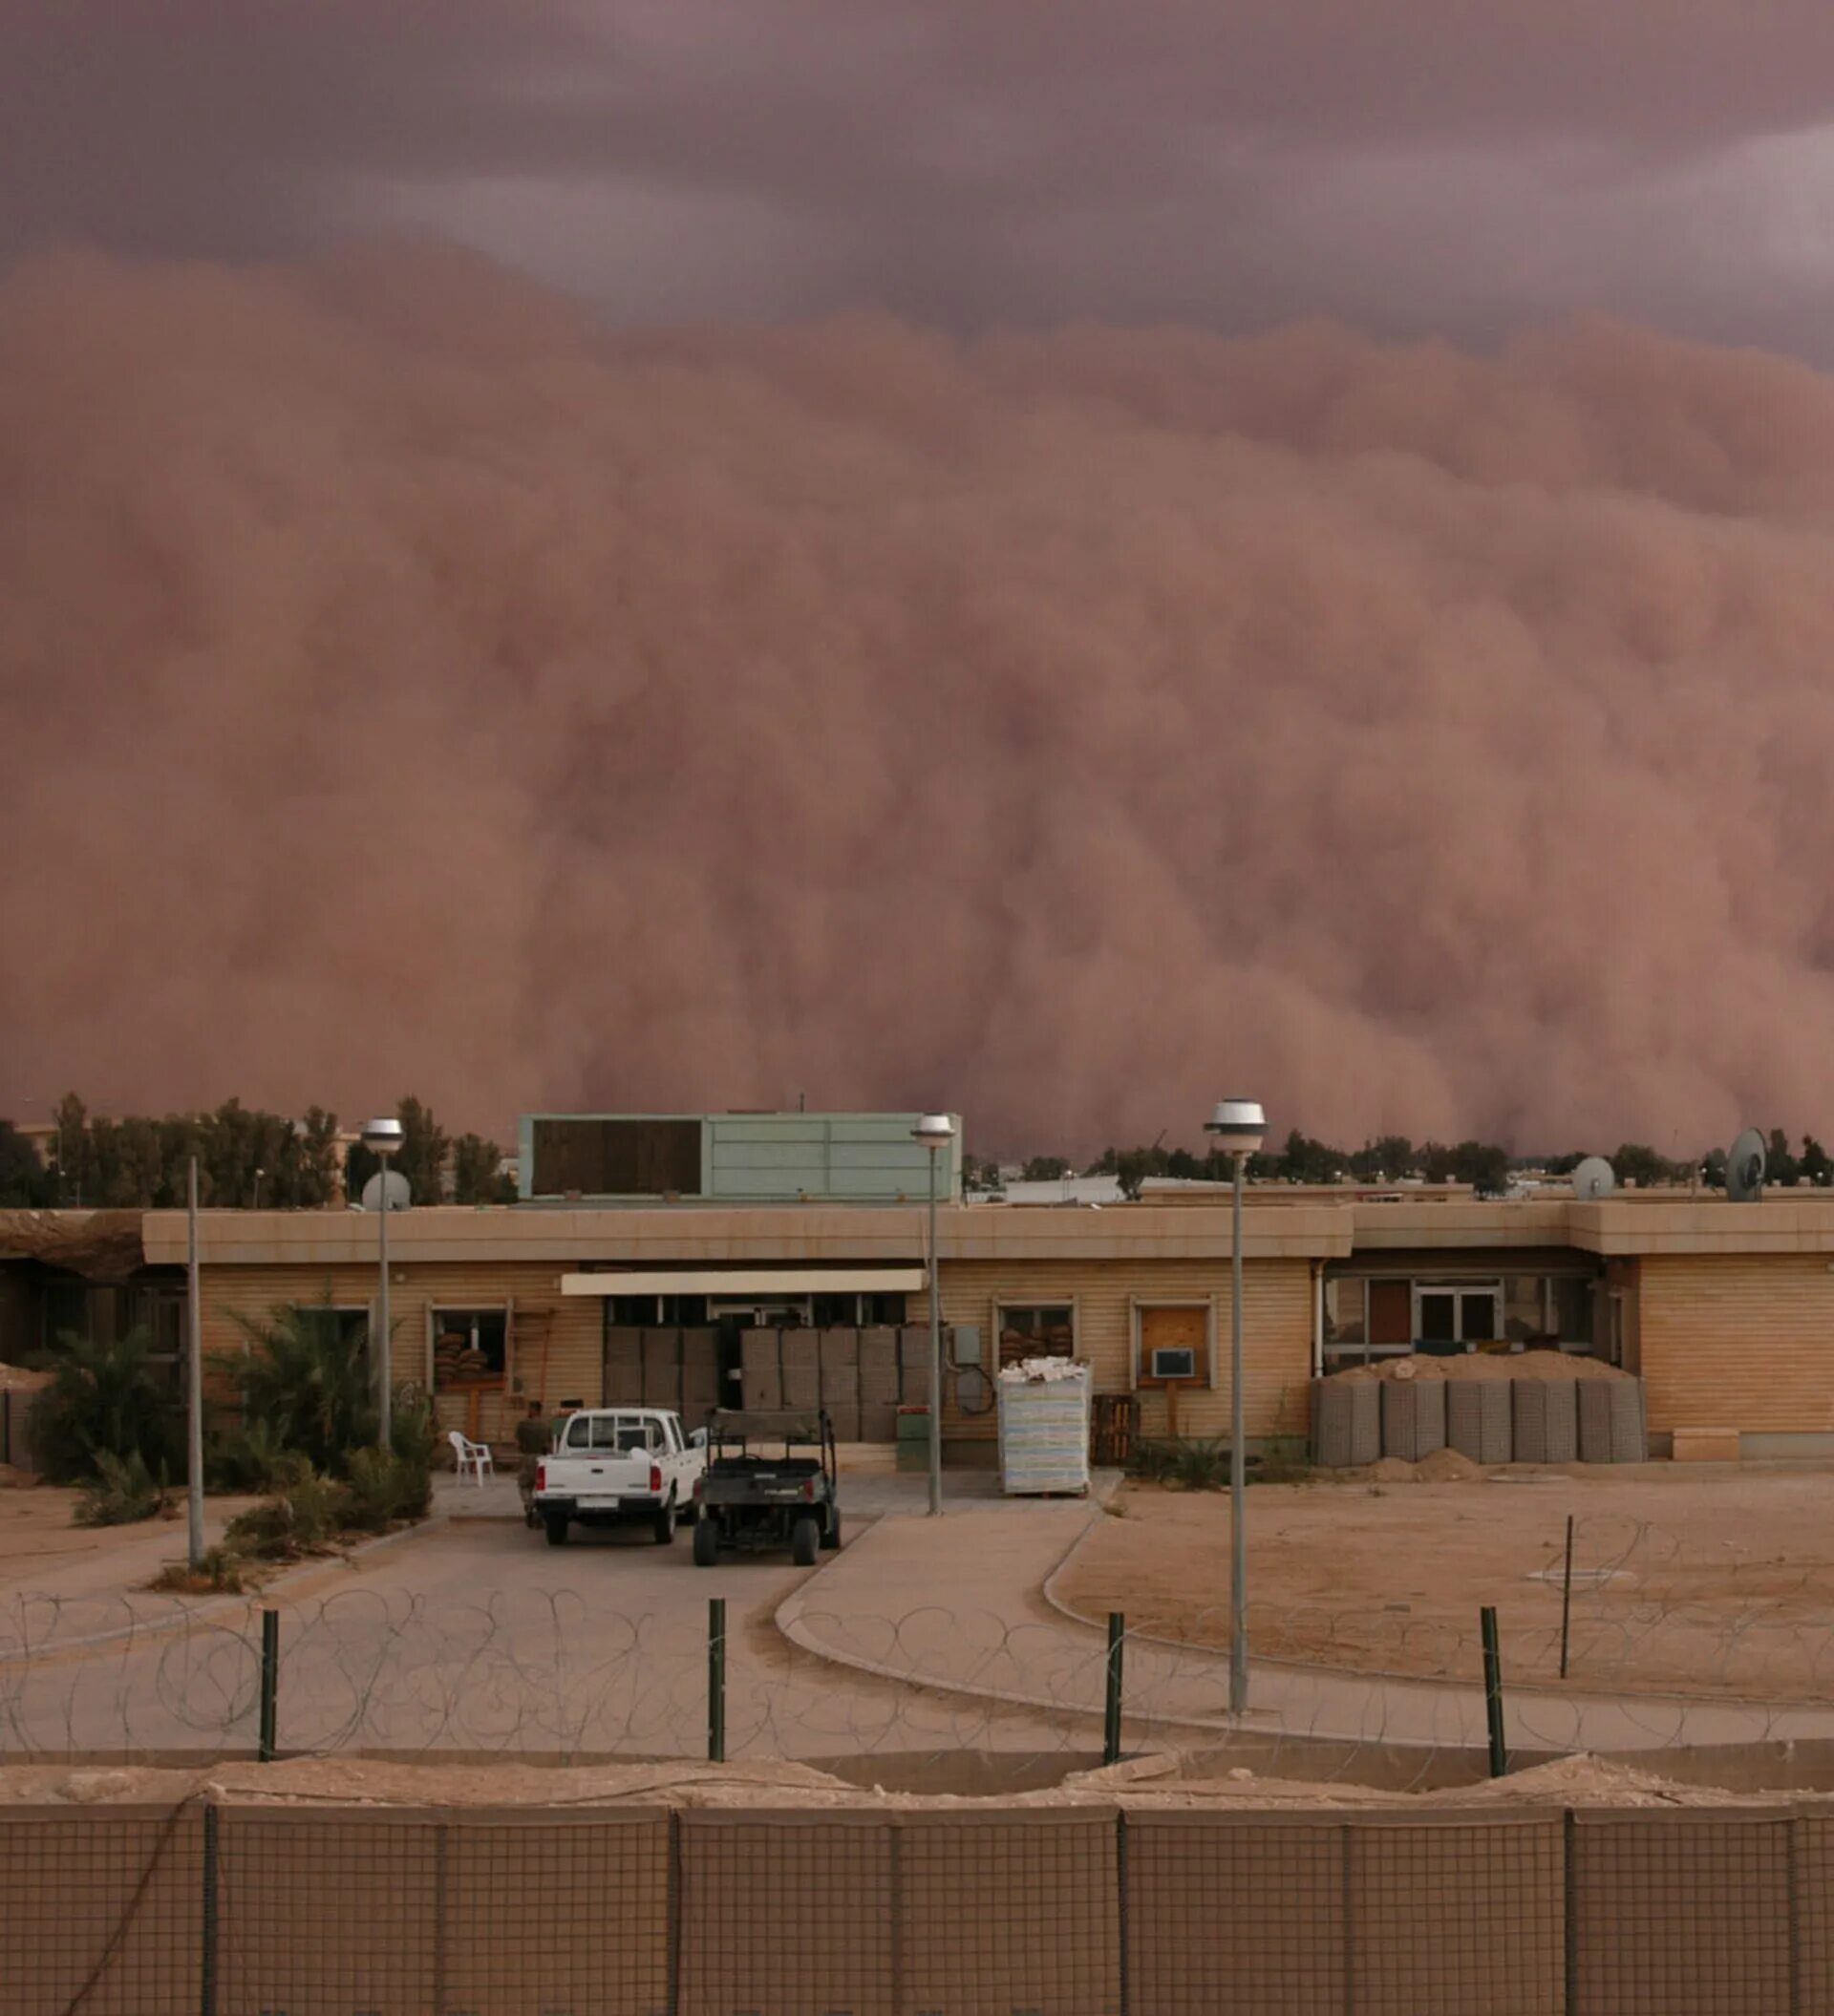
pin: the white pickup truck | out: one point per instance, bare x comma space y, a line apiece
613, 1463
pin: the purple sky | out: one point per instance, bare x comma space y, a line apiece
1459, 166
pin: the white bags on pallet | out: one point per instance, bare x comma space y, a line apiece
1044, 1425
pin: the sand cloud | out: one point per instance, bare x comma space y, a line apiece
409, 684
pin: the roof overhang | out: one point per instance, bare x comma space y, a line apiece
749, 1281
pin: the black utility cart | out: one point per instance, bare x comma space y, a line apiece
770, 1482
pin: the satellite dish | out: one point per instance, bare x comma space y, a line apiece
1745, 1168
1594, 1178
401, 1197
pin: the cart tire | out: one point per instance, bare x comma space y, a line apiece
662, 1526
805, 1540
556, 1531
705, 1544
831, 1539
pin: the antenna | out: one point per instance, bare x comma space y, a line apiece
1593, 1179
1745, 1168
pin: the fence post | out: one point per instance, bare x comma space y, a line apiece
1493, 1689
1111, 1720
207, 1956
715, 1680
1566, 1597
269, 1683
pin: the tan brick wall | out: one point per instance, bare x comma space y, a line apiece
1276, 1329
569, 1367
1738, 1342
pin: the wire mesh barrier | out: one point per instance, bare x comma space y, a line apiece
269, 1911
565, 1676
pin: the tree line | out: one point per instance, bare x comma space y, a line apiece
246, 1160
1486, 1166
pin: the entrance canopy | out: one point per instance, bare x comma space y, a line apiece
750, 1281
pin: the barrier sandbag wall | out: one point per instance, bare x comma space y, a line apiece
1413, 1417
1545, 1417
226, 1908
1478, 1419
861, 1375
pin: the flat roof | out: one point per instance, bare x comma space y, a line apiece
716, 1236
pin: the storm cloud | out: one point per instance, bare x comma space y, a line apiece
410, 682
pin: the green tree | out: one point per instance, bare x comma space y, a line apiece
1816, 1167
306, 1383
1484, 1165
1636, 1162
1779, 1165
70, 1150
476, 1163
1713, 1169
1386, 1159
422, 1154
1045, 1169
25, 1182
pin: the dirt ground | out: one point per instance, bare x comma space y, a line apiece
1683, 1582
44, 1552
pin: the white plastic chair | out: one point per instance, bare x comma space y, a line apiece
473, 1457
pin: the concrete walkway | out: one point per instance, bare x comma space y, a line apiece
960, 1605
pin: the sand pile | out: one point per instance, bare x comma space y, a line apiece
1483, 1365
1444, 1466
14, 1478
22, 1379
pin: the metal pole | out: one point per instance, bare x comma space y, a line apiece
1238, 1472
1493, 1689
1566, 1597
269, 1683
935, 1357
1111, 1720
386, 1401
715, 1680
194, 1378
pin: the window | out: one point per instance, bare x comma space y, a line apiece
889, 1307
470, 1346
619, 1434
834, 1309
640, 1311
348, 1326
1451, 1313
1036, 1331
1346, 1311
1573, 1308
1525, 1307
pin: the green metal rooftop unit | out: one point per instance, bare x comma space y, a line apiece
731, 1158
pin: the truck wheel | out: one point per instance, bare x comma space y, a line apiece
664, 1525
705, 1544
555, 1524
831, 1539
805, 1540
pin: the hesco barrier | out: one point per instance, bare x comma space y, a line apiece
275, 1911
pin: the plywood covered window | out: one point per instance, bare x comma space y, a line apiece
1175, 1344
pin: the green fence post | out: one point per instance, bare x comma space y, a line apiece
269, 1683
1493, 1689
715, 1680
207, 1957
1111, 1721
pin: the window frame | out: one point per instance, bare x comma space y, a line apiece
1138, 1377
1037, 1305
435, 1331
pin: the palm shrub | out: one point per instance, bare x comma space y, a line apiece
122, 1490
104, 1399
307, 1386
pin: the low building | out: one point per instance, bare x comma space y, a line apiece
1725, 1311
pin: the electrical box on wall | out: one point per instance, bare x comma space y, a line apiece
967, 1347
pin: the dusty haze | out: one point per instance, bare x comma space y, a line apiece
408, 684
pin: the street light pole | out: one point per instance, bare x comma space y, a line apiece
935, 1130
382, 1137
1239, 1127
193, 1379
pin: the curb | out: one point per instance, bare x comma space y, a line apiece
212, 1606
788, 1619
